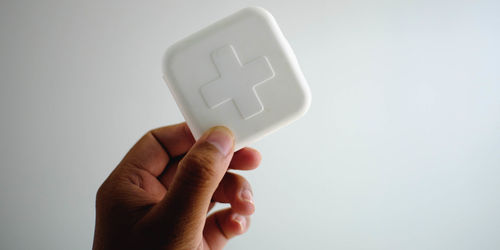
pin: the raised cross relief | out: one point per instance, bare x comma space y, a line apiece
237, 82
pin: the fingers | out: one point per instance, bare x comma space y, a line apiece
233, 189
224, 225
198, 175
176, 139
236, 190
153, 151
245, 159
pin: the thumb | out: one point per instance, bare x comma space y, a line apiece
186, 203
201, 170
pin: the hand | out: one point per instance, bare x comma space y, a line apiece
159, 195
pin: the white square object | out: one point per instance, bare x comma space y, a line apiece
239, 72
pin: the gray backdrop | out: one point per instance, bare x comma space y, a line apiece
400, 149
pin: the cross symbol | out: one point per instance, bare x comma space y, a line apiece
237, 82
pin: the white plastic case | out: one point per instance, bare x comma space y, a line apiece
239, 72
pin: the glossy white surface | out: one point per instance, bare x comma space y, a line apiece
399, 150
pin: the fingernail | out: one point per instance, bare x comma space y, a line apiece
222, 139
247, 196
241, 220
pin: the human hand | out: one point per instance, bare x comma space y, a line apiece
159, 195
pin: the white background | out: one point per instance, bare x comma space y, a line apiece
400, 149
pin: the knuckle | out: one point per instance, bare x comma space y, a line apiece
200, 164
101, 195
235, 179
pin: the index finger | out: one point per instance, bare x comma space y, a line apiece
154, 150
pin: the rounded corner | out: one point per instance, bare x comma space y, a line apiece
261, 12
305, 102
168, 57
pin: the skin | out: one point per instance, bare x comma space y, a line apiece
159, 195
